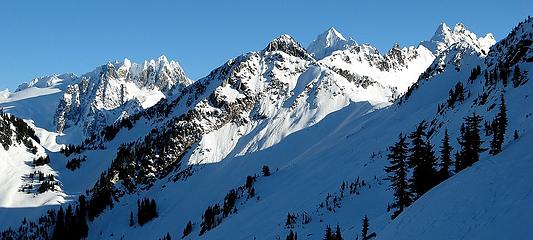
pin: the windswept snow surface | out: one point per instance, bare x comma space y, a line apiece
37, 100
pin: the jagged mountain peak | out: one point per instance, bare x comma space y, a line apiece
443, 27
285, 43
153, 69
284, 39
327, 42
396, 46
97, 98
444, 37
162, 58
160, 62
126, 62
459, 28
332, 35
333, 31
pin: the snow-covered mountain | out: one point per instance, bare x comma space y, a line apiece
114, 91
257, 99
444, 37
322, 128
84, 105
329, 42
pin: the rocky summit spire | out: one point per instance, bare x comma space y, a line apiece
444, 37
328, 42
287, 44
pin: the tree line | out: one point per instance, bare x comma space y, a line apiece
414, 169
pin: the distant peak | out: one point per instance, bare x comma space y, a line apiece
489, 36
459, 28
444, 37
333, 33
327, 42
126, 63
162, 58
287, 44
396, 46
283, 39
441, 29
442, 32
280, 41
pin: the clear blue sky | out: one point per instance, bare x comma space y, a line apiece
45, 37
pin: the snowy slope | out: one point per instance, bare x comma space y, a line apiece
316, 124
38, 99
491, 200
20, 190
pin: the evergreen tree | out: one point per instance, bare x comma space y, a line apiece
77, 224
457, 164
187, 230
82, 220
498, 134
146, 211
292, 235
266, 171
59, 229
328, 235
445, 157
140, 212
364, 231
470, 142
209, 218
459, 158
132, 222
422, 160
504, 76
229, 202
153, 209
338, 235
69, 232
517, 77
398, 175
291, 220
